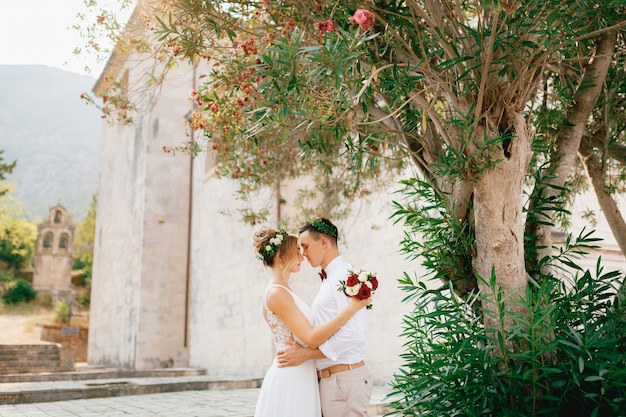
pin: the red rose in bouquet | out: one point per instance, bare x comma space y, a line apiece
352, 280
374, 283
364, 292
360, 284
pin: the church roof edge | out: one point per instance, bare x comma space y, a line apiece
118, 56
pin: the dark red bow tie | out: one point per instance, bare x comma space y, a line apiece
322, 275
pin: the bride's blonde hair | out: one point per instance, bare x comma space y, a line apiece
266, 248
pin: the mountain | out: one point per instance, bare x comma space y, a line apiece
53, 135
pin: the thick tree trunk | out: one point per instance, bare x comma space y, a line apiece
499, 218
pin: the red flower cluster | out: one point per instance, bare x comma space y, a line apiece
247, 73
267, 39
193, 94
289, 27
326, 26
249, 47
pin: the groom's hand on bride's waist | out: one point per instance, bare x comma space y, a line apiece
294, 355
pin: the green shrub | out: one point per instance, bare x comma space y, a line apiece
62, 311
565, 357
20, 291
6, 276
83, 297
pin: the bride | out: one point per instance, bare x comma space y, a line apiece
291, 391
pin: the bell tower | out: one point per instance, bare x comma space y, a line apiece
53, 254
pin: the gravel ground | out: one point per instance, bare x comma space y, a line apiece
23, 329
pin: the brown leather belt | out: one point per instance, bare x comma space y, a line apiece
327, 372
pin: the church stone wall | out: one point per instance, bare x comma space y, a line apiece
118, 250
162, 340
139, 281
612, 257
227, 333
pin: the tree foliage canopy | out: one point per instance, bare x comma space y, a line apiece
84, 241
488, 101
497, 95
17, 235
5, 169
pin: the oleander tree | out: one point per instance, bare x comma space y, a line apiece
503, 109
484, 99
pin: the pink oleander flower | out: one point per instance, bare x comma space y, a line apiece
266, 1
193, 94
247, 73
363, 18
214, 107
289, 27
326, 26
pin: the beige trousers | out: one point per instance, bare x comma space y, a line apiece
347, 393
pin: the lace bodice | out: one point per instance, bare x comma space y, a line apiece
280, 332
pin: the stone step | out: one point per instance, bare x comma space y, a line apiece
29, 367
49, 391
83, 373
16, 359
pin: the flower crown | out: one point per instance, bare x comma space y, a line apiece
323, 227
274, 243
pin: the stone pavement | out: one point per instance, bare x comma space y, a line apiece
205, 403
225, 399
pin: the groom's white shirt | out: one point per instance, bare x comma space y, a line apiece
348, 344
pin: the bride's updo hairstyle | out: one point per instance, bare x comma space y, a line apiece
268, 242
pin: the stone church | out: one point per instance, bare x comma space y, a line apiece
175, 281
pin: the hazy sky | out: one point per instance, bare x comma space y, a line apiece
40, 32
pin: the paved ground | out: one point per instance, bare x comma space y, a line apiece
214, 403
205, 403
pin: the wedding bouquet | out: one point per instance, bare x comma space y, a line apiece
360, 284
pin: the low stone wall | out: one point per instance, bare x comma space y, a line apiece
74, 340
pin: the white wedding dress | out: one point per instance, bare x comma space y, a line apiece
292, 391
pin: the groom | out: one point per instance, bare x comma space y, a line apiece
344, 379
